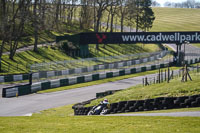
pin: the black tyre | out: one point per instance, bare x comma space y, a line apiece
194, 104
130, 104
139, 103
141, 108
121, 105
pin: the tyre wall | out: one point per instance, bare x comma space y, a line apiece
161, 103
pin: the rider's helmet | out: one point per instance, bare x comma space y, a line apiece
105, 101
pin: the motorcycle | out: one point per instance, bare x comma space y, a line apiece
98, 110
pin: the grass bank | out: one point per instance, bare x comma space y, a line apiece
176, 19
23, 60
175, 88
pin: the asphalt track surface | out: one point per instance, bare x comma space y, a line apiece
25, 105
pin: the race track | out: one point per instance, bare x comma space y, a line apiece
24, 105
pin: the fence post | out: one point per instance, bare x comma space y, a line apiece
143, 81
168, 75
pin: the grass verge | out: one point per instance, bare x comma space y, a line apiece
98, 124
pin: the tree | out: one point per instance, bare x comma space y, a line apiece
86, 14
112, 12
71, 7
12, 23
35, 23
146, 16
123, 10
167, 4
155, 4
100, 6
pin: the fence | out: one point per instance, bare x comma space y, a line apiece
167, 74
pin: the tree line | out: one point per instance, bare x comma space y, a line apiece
185, 4
100, 15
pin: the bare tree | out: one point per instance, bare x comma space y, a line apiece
113, 10
86, 14
35, 23
12, 23
100, 7
123, 12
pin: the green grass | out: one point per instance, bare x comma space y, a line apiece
60, 120
122, 49
172, 19
197, 45
23, 60
176, 19
173, 89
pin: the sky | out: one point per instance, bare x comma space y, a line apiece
163, 1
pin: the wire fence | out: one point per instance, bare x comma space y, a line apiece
100, 65
165, 75
81, 63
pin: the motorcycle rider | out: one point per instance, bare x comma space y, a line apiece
101, 108
104, 105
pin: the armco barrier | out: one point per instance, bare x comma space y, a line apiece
44, 85
21, 90
16, 91
11, 78
161, 103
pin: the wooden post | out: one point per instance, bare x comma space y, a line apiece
186, 73
146, 81
168, 78
165, 75
143, 81
172, 75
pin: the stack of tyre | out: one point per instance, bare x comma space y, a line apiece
81, 110
161, 103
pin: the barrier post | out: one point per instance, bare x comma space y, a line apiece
30, 78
